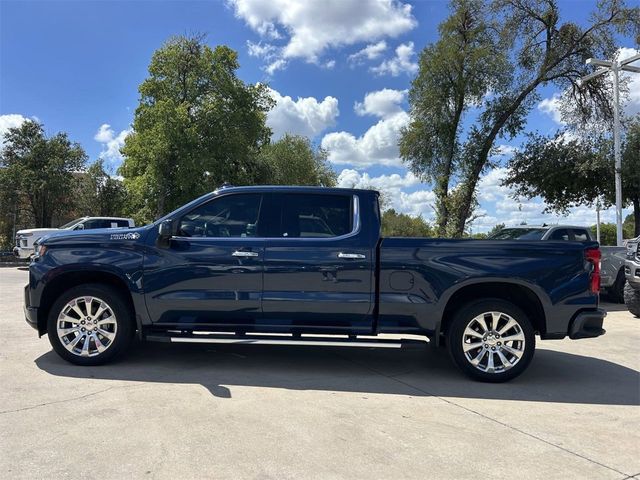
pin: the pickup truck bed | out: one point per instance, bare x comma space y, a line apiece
286, 264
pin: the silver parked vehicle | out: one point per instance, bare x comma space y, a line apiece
613, 258
632, 273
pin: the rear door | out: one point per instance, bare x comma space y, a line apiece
318, 266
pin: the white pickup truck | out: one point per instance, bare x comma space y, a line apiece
27, 237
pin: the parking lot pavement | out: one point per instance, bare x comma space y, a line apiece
193, 411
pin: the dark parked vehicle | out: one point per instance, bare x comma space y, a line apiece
306, 265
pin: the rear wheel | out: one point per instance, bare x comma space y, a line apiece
632, 299
90, 325
491, 340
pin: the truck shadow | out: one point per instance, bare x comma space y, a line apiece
552, 377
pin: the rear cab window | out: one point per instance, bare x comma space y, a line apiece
560, 234
580, 235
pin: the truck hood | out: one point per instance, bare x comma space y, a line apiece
84, 237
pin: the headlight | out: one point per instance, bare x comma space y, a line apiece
24, 235
42, 249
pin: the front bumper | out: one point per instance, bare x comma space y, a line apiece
587, 325
30, 313
22, 252
632, 272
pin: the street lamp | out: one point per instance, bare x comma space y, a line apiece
615, 67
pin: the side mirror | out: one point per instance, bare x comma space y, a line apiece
165, 232
80, 227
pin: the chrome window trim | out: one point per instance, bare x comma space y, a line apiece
355, 231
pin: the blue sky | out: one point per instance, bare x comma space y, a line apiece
339, 71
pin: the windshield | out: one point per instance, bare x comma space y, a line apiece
72, 223
519, 234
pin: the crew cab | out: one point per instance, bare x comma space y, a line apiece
307, 265
27, 238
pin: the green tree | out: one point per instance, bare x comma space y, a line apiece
577, 170
197, 126
629, 225
292, 160
41, 170
489, 62
608, 233
101, 194
396, 224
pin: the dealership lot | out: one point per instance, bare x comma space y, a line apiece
194, 411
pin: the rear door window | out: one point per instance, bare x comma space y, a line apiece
315, 216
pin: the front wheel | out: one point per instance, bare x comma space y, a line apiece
491, 340
90, 324
616, 291
632, 299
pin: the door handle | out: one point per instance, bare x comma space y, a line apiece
244, 253
351, 255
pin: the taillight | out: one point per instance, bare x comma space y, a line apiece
593, 256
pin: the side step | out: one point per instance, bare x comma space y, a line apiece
284, 339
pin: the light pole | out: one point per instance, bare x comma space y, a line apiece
615, 67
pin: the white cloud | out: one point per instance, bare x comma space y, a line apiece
382, 103
370, 52
392, 186
111, 143
401, 63
310, 28
261, 50
11, 120
378, 145
349, 178
304, 116
551, 107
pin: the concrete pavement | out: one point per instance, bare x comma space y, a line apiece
197, 411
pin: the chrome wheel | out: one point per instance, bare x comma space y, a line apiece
86, 326
493, 342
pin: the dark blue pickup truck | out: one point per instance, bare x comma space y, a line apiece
307, 265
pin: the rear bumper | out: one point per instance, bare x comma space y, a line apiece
587, 325
30, 313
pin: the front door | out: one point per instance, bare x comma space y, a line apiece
211, 274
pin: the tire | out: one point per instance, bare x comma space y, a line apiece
632, 299
92, 336
517, 352
616, 291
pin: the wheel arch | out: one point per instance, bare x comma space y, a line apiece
520, 294
67, 280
